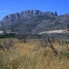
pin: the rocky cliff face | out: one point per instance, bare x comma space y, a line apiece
34, 21
26, 14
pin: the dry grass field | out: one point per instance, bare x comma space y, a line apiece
23, 56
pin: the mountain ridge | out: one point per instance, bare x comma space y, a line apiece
34, 21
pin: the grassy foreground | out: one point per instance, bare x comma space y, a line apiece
23, 56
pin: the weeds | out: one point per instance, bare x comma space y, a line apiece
43, 58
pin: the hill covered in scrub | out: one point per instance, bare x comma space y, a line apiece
34, 21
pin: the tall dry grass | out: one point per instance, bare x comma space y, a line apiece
23, 56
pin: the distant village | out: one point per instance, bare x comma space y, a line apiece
51, 31
7, 32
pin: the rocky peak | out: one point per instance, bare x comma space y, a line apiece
26, 14
11, 17
66, 15
50, 14
31, 12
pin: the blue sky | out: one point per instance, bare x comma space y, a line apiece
12, 6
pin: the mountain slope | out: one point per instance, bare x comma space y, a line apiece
34, 21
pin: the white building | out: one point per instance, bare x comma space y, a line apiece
1, 32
